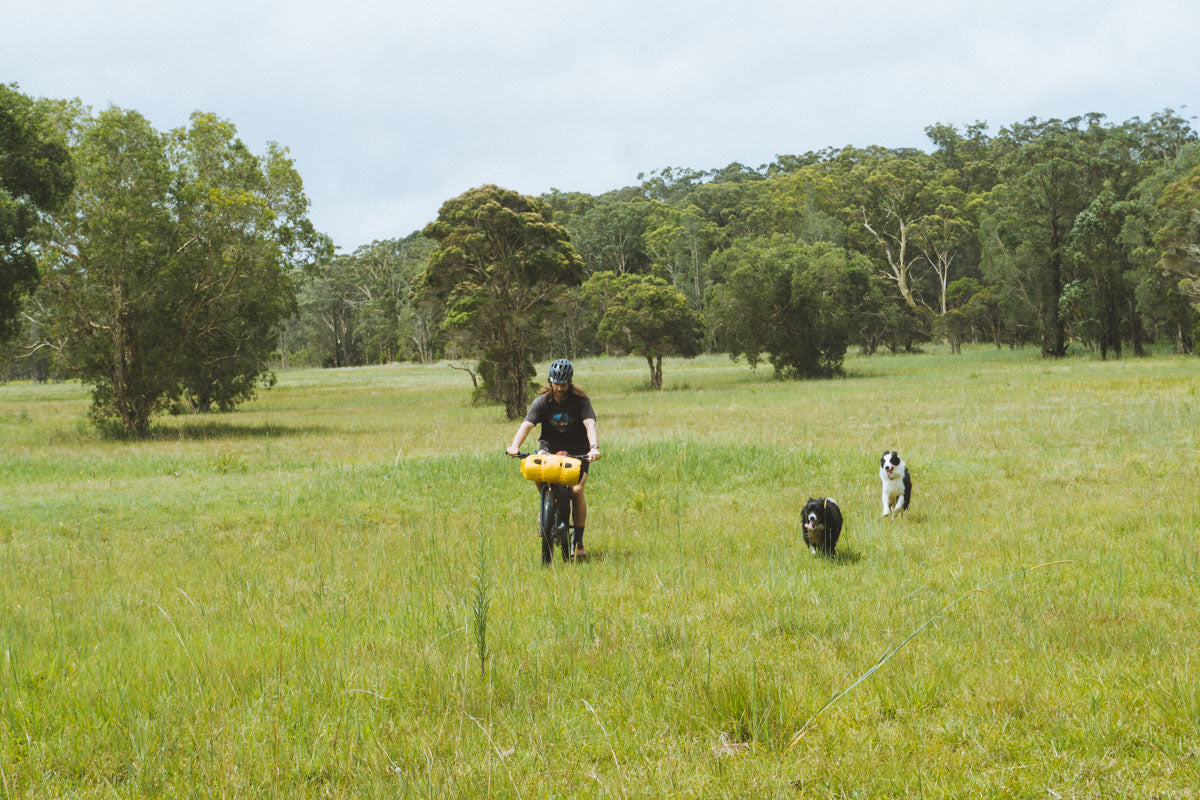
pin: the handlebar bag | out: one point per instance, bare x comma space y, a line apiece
547, 468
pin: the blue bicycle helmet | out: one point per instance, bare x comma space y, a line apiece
561, 371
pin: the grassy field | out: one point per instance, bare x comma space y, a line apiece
337, 592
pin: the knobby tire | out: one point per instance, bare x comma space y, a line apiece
549, 519
564, 524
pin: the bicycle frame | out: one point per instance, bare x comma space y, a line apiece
555, 518
556, 521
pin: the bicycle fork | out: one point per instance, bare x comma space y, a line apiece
555, 521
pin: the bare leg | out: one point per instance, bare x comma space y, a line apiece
579, 513
579, 503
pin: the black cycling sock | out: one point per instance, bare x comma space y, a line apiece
578, 535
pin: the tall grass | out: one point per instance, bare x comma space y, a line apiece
481, 603
299, 599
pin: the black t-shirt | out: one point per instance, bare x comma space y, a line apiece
562, 424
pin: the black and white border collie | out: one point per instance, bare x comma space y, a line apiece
897, 483
822, 524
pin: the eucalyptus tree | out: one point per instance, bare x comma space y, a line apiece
611, 236
168, 269
680, 242
1165, 136
327, 330
1102, 265
979, 305
420, 321
36, 178
501, 268
1179, 236
113, 275
943, 234
1044, 184
804, 202
671, 184
246, 238
736, 206
797, 305
568, 205
1161, 304
647, 316
1104, 250
364, 307
970, 153
973, 312
889, 195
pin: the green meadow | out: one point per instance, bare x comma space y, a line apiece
336, 591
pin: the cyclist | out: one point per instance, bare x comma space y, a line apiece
568, 424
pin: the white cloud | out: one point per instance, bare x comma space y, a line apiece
391, 108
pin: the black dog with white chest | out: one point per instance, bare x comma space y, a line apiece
822, 524
897, 483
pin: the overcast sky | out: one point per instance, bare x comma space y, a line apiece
390, 108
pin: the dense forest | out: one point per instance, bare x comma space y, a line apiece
1075, 233
1059, 233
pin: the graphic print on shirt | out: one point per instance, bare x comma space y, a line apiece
560, 420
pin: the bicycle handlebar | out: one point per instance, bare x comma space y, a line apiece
524, 455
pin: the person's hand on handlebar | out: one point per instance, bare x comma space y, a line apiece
513, 450
593, 453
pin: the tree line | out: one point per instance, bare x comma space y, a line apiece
1058, 233
174, 270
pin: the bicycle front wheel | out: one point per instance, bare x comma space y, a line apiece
548, 518
565, 538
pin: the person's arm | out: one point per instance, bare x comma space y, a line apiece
522, 431
589, 425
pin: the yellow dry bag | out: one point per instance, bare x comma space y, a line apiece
546, 468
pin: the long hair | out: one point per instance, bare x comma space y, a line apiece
572, 389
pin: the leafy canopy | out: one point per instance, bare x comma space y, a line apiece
795, 303
36, 177
645, 315
501, 268
169, 269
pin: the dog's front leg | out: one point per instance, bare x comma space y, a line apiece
885, 502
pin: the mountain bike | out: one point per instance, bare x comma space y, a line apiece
554, 517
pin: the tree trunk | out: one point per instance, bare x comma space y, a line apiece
1136, 333
512, 371
140, 424
1054, 339
1183, 340
655, 372
131, 409
514, 393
